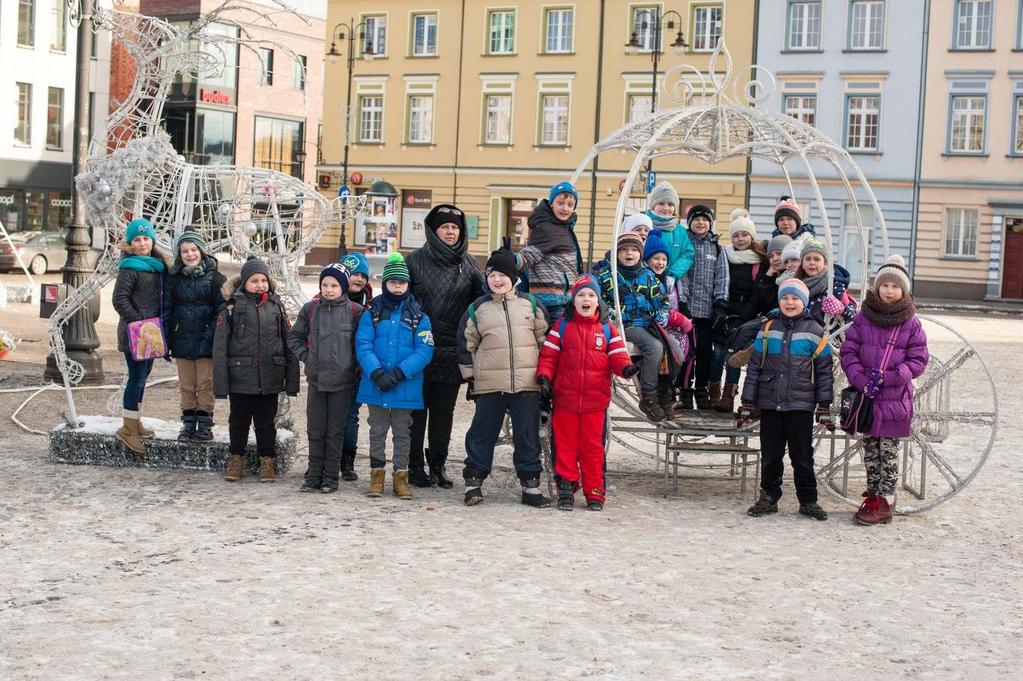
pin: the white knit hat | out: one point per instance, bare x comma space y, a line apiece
662, 193
637, 220
792, 252
893, 271
739, 221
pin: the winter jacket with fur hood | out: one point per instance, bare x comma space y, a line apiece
499, 343
140, 295
250, 346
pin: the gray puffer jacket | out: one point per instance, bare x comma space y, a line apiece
250, 346
324, 338
790, 369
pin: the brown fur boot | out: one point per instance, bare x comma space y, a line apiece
727, 402
401, 488
129, 433
267, 468
376, 483
715, 392
235, 468
143, 431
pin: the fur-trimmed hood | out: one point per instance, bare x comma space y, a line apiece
233, 285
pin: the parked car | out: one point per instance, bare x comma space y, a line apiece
40, 251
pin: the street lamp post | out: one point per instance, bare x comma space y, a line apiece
649, 19
79, 333
349, 32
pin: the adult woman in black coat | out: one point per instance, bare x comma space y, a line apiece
445, 279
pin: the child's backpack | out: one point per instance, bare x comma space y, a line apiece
314, 305
607, 332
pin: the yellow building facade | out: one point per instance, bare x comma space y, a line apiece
486, 105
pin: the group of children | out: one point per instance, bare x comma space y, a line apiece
680, 296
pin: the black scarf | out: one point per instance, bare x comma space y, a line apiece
391, 300
888, 315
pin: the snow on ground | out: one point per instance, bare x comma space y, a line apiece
152, 574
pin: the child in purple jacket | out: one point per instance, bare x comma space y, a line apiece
889, 314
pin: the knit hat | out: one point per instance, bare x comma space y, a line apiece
191, 237
787, 206
562, 188
443, 214
396, 268
662, 193
654, 244
585, 281
700, 210
339, 272
740, 222
253, 266
356, 263
630, 239
630, 223
502, 260
139, 227
779, 243
794, 287
790, 252
814, 246
893, 271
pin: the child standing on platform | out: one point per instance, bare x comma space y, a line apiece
663, 211
360, 291
576, 363
552, 254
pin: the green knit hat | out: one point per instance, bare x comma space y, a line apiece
193, 237
396, 268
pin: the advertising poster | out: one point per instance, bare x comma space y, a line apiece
415, 204
378, 231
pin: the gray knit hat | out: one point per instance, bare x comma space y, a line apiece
778, 243
893, 271
662, 193
814, 246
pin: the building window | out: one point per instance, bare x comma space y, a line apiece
501, 31
498, 123
961, 232
559, 31
805, 25
966, 124
420, 119
706, 27
23, 127
638, 107
866, 25
214, 144
55, 119
371, 118
27, 23
277, 142
266, 66
375, 42
59, 43
802, 107
298, 72
972, 25
554, 119
424, 35
644, 20
1017, 147
862, 122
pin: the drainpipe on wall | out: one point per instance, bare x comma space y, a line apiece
458, 111
596, 138
753, 75
919, 140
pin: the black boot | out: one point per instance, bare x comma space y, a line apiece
765, 505
813, 510
417, 476
594, 505
703, 402
531, 495
685, 399
348, 465
566, 495
203, 426
666, 396
473, 491
438, 475
187, 425
651, 408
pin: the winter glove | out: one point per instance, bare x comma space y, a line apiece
823, 416
631, 370
397, 374
849, 312
470, 392
874, 384
719, 322
546, 391
506, 244
383, 380
831, 305
745, 416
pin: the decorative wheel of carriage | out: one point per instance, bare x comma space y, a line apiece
716, 118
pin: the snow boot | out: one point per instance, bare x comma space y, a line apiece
328, 489
306, 488
203, 427
813, 510
473, 491
594, 505
348, 465
714, 390
187, 425
399, 480
417, 476
702, 398
235, 468
531, 495
666, 396
143, 431
685, 400
267, 468
651, 408
765, 505
726, 403
129, 433
438, 475
875, 510
376, 483
566, 495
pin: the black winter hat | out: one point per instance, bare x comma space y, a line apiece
254, 265
698, 211
443, 214
503, 261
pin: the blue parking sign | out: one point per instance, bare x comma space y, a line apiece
651, 181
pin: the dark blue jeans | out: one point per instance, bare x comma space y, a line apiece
138, 372
524, 408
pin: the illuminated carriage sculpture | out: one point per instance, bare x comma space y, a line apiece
716, 119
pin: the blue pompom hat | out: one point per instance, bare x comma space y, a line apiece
139, 227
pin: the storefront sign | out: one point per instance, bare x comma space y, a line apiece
356, 178
415, 204
215, 97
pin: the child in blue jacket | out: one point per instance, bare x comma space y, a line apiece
394, 344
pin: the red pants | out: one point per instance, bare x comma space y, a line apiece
579, 447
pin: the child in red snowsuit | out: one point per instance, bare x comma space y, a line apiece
575, 368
